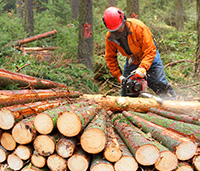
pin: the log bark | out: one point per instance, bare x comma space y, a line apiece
127, 162
14, 162
37, 160
23, 152
7, 141
55, 163
65, 146
44, 145
71, 123
98, 163
183, 147
33, 38
22, 80
24, 131
117, 103
143, 105
144, 151
37, 48
176, 116
112, 151
189, 130
93, 139
196, 162
3, 154
79, 161
11, 97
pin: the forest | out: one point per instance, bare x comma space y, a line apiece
79, 62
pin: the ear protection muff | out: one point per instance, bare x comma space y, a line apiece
122, 15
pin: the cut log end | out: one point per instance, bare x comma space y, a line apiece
147, 155
185, 168
44, 145
69, 124
7, 141
93, 140
14, 162
166, 161
196, 162
7, 119
126, 163
103, 167
23, 152
55, 163
38, 160
3, 155
22, 133
78, 162
65, 147
186, 150
112, 154
43, 123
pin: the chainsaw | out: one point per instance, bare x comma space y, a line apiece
133, 87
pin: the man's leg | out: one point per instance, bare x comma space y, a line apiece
157, 80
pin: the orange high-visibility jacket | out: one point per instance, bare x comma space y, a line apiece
140, 42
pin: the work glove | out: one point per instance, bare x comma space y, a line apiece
139, 72
122, 79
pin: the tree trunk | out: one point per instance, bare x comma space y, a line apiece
71, 123
65, 147
176, 116
74, 9
33, 38
79, 161
189, 130
93, 139
118, 103
8, 142
98, 163
170, 139
22, 80
197, 60
24, 131
14, 162
179, 15
29, 17
127, 162
10, 97
145, 152
132, 8
85, 46
44, 145
55, 163
20, 9
38, 160
112, 3
112, 151
143, 105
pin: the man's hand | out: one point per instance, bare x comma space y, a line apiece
139, 72
122, 79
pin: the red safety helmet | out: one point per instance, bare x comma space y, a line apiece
113, 18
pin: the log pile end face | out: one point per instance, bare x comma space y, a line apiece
126, 163
6, 119
78, 162
55, 163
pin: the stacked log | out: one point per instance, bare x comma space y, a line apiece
80, 134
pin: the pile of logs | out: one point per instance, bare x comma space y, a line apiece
58, 129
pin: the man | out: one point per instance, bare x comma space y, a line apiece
133, 39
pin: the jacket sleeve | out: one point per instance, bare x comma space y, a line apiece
148, 47
111, 59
